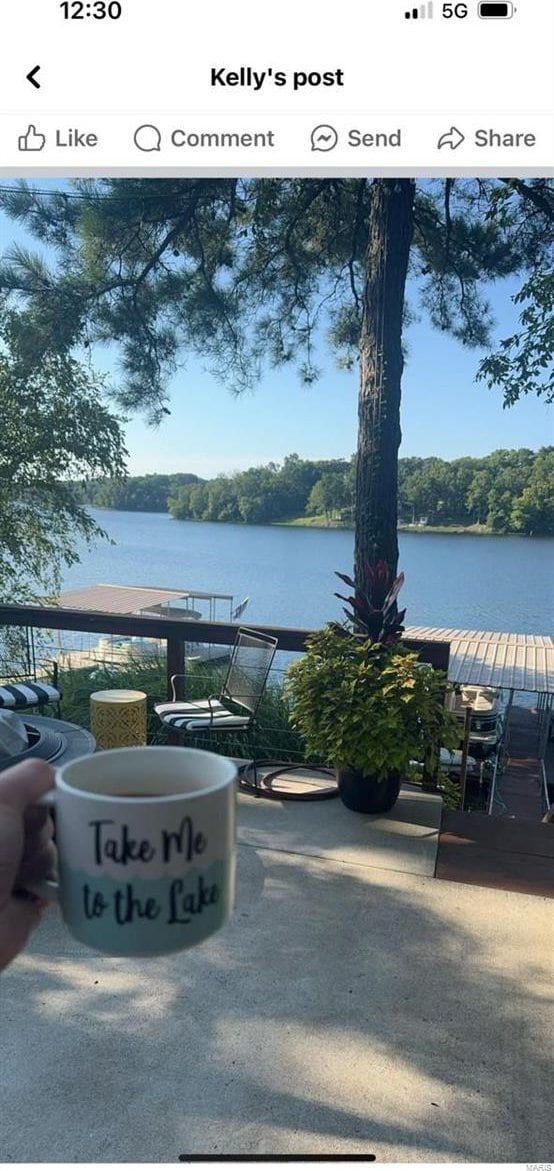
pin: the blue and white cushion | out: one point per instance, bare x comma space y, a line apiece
203, 714
21, 695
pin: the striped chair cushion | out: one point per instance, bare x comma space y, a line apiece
20, 695
195, 716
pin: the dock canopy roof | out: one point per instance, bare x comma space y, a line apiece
117, 599
489, 658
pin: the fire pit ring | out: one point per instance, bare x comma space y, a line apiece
43, 745
56, 741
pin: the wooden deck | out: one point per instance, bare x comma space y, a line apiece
499, 852
514, 850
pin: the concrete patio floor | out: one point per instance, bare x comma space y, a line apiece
353, 1005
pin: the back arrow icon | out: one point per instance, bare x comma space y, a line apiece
31, 77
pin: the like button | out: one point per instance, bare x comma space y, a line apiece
32, 140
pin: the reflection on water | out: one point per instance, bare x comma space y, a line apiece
475, 583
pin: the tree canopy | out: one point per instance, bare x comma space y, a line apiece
135, 493
508, 491
523, 363
54, 428
254, 272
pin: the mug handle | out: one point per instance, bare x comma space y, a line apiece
47, 890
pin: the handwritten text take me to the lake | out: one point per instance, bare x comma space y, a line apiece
182, 904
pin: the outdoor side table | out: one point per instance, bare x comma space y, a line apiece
118, 718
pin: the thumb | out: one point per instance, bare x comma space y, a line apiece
20, 787
23, 784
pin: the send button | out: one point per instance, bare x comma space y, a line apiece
377, 138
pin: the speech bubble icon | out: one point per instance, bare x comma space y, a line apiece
148, 137
324, 137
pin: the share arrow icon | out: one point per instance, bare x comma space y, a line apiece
32, 78
453, 139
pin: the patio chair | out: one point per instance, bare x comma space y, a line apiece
28, 683
235, 706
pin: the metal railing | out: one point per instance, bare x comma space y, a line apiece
178, 635
175, 633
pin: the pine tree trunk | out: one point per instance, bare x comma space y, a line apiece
381, 363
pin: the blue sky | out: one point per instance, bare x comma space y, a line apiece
444, 411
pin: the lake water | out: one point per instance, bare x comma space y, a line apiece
474, 583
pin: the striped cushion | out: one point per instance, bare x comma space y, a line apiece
20, 695
195, 716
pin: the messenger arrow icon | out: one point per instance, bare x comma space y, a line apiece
453, 138
32, 78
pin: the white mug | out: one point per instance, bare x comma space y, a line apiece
146, 848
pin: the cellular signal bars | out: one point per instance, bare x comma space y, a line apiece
425, 11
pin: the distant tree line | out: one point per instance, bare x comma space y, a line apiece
295, 488
135, 493
506, 491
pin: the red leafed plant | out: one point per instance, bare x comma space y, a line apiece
373, 611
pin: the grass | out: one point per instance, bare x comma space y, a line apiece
473, 530
322, 522
313, 522
275, 738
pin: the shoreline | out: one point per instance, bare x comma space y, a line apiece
321, 525
459, 530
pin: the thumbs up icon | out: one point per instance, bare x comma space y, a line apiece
32, 140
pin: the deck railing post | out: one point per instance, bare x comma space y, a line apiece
175, 660
465, 753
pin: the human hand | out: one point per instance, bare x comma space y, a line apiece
27, 853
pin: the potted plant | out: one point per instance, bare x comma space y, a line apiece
362, 700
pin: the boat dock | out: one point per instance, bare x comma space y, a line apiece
509, 847
116, 651
519, 664
520, 789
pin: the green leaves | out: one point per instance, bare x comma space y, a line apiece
373, 610
247, 271
366, 705
524, 362
55, 427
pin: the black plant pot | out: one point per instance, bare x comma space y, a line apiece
366, 794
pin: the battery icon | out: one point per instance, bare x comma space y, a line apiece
496, 11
